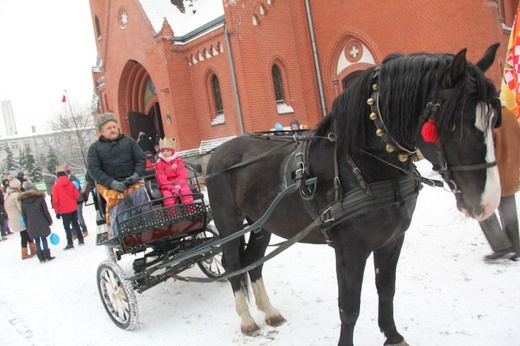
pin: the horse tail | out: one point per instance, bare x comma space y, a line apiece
243, 278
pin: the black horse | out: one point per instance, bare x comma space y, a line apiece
352, 182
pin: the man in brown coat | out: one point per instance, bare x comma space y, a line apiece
505, 240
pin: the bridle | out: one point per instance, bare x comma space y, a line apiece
404, 154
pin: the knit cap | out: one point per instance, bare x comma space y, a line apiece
103, 119
13, 182
27, 185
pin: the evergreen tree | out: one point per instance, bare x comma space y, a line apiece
10, 164
22, 160
52, 161
34, 169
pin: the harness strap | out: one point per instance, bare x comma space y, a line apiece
357, 201
473, 167
250, 161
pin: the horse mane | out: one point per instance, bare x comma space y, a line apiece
406, 84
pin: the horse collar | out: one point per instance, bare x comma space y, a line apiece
392, 145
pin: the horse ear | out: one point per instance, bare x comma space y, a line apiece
457, 70
488, 57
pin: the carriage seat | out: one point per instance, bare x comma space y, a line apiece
152, 186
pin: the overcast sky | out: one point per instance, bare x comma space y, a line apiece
45, 47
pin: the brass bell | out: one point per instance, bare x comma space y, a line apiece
402, 157
373, 116
389, 148
375, 87
379, 132
370, 101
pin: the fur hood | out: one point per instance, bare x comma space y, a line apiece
30, 193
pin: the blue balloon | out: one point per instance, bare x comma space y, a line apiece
55, 240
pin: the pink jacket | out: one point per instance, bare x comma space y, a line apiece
170, 173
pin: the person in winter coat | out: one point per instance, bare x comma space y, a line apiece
146, 143
295, 126
117, 163
14, 212
37, 219
504, 240
79, 201
6, 230
3, 217
171, 174
49, 180
64, 196
23, 178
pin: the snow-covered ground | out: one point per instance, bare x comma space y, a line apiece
446, 294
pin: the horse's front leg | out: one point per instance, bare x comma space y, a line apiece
385, 264
351, 259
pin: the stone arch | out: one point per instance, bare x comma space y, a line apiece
351, 51
138, 101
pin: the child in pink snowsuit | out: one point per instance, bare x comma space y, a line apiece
171, 174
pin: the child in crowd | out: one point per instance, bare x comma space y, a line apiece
37, 219
171, 174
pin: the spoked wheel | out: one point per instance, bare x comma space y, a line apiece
211, 267
117, 295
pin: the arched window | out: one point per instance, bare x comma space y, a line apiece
216, 95
277, 84
98, 29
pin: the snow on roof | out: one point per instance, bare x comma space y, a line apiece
196, 13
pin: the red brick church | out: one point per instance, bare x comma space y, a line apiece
205, 70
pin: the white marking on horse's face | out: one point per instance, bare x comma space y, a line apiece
491, 196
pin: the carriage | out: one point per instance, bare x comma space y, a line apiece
351, 183
165, 241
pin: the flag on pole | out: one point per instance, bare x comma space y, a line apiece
64, 98
510, 88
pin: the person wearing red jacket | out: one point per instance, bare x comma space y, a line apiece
64, 197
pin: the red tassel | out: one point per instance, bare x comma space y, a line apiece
429, 132
64, 98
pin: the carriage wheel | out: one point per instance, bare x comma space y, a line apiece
117, 295
211, 267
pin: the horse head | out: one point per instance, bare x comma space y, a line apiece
456, 134
441, 96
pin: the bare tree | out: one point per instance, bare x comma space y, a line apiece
74, 132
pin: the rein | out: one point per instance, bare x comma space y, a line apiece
264, 135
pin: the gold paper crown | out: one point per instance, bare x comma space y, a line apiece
60, 169
167, 143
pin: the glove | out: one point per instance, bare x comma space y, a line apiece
131, 180
117, 185
58, 216
175, 189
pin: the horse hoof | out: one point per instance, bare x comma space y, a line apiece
402, 343
250, 330
275, 321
